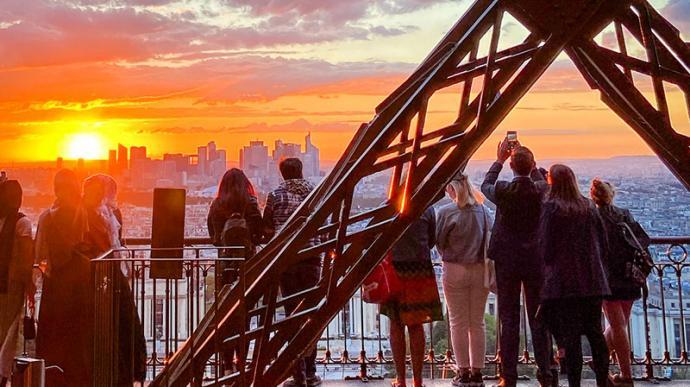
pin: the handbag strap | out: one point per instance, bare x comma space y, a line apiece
486, 232
632, 234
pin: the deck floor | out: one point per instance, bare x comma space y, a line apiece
446, 383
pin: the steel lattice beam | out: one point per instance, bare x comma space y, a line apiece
429, 158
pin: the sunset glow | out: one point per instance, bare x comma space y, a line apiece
87, 146
79, 77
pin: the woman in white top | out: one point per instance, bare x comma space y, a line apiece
16, 261
462, 233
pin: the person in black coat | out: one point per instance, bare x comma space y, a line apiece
624, 291
513, 247
573, 246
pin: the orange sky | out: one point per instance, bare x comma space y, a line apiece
173, 74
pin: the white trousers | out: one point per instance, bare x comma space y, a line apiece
463, 287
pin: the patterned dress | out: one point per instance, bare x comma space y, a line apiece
418, 302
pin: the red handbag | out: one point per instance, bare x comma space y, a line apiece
383, 284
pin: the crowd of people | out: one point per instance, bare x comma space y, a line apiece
561, 250
83, 223
547, 241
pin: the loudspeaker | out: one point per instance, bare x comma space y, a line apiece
168, 232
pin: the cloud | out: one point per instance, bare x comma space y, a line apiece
297, 126
43, 32
678, 12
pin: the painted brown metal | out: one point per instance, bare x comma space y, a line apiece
429, 158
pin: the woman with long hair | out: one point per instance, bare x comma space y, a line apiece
624, 292
236, 199
462, 234
418, 302
16, 284
103, 234
573, 249
65, 331
234, 219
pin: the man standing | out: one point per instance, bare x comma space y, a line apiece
513, 247
280, 205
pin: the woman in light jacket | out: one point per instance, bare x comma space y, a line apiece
462, 232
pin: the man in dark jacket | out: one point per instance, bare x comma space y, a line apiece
513, 247
280, 205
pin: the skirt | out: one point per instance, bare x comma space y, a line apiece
418, 302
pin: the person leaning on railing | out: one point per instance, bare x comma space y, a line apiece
624, 292
16, 262
572, 248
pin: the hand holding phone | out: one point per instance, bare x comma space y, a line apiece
511, 139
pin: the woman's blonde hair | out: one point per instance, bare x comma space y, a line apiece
465, 193
602, 192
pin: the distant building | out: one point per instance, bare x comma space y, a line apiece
122, 160
254, 159
137, 153
202, 153
112, 162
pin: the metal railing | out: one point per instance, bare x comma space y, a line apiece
355, 343
168, 299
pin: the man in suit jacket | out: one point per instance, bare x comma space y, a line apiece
513, 247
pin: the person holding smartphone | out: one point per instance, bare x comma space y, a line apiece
513, 247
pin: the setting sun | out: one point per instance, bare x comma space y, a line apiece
85, 146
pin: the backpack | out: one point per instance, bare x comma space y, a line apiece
235, 232
641, 264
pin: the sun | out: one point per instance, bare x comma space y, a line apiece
85, 146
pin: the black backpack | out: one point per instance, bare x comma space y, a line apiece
235, 233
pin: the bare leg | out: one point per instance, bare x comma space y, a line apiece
417, 351
617, 314
397, 339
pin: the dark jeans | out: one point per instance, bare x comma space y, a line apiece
572, 318
301, 277
510, 278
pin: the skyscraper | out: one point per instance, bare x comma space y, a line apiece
202, 165
137, 153
112, 162
311, 157
122, 160
254, 159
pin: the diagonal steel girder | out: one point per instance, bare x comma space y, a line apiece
398, 140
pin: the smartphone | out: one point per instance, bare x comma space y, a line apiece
511, 138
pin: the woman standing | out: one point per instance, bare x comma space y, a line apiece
418, 302
573, 248
624, 292
462, 232
65, 332
103, 234
16, 283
